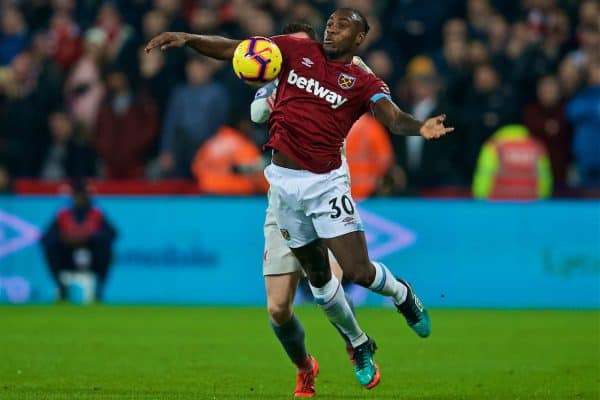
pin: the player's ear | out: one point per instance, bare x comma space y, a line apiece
360, 38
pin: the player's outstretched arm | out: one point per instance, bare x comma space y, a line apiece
211, 46
399, 122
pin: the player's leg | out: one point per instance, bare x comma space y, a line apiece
351, 251
282, 272
336, 270
281, 290
337, 219
288, 189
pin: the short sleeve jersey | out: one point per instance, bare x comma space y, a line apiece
317, 102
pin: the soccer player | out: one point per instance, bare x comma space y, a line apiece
282, 271
320, 95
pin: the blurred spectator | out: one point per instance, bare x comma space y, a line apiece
381, 64
589, 12
427, 163
257, 23
5, 181
545, 119
121, 43
478, 53
160, 71
126, 126
69, 154
584, 113
303, 11
229, 163
488, 106
13, 34
78, 243
588, 37
417, 24
544, 57
171, 9
84, 88
497, 34
377, 40
23, 116
370, 156
569, 75
65, 41
195, 112
479, 16
512, 166
204, 20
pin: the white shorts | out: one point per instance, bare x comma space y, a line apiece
308, 206
278, 258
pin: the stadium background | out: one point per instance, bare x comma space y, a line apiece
481, 60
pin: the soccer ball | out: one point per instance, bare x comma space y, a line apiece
257, 60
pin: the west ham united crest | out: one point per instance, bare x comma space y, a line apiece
346, 81
285, 234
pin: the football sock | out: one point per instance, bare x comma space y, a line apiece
351, 304
331, 298
291, 337
386, 284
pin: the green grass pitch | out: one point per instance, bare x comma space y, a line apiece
117, 352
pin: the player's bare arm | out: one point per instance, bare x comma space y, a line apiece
401, 123
211, 46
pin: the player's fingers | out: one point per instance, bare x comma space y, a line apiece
149, 47
449, 129
441, 118
154, 43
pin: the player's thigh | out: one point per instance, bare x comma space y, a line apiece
277, 257
281, 290
350, 250
294, 224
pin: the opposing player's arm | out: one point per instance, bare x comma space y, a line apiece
217, 47
399, 122
261, 107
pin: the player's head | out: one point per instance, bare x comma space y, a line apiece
300, 30
346, 30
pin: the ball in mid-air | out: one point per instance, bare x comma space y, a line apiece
257, 60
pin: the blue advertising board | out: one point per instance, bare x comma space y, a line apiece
208, 250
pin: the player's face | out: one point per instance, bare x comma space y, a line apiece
343, 34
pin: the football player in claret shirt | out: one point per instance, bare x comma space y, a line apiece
320, 95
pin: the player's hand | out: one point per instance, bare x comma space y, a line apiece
434, 127
167, 40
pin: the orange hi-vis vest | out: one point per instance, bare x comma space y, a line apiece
214, 165
370, 155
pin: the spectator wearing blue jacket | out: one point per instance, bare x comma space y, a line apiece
195, 112
584, 113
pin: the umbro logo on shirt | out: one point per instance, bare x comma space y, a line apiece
314, 87
307, 62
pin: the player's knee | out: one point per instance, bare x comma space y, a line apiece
318, 278
361, 273
279, 313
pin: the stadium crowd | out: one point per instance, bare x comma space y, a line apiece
78, 98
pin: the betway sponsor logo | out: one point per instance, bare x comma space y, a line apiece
314, 87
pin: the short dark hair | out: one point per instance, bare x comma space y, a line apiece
295, 27
360, 16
